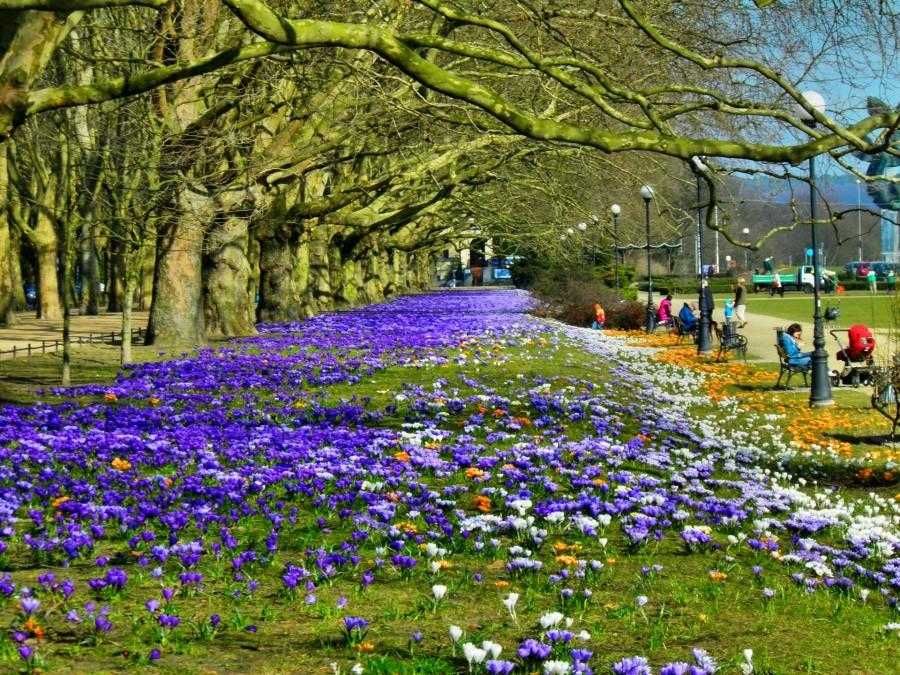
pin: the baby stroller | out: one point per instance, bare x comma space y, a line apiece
857, 356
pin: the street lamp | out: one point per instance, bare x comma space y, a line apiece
746, 233
647, 196
820, 390
704, 346
615, 210
699, 167
858, 221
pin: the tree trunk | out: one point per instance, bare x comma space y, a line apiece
127, 302
319, 274
7, 282
280, 297
114, 277
228, 305
46, 248
176, 310
15, 270
66, 378
90, 270
145, 292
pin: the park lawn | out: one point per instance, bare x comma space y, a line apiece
24, 380
875, 312
793, 632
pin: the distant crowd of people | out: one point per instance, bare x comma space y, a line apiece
734, 311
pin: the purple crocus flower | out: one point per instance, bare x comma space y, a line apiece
496, 667
168, 620
533, 650
633, 665
29, 605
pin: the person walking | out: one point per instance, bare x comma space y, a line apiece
740, 303
872, 278
777, 286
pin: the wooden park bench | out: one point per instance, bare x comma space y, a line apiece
788, 368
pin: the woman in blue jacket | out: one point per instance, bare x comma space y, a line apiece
790, 340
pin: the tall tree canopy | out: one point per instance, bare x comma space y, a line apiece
233, 160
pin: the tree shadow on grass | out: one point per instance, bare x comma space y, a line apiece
885, 440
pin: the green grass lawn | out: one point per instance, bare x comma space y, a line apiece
876, 312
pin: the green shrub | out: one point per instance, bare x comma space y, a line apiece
687, 285
569, 296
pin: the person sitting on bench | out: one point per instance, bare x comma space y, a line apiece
664, 311
791, 341
688, 318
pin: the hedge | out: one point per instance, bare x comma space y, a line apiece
687, 285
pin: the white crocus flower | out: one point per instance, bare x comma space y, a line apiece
747, 665
455, 633
492, 648
439, 591
473, 654
551, 619
556, 667
510, 603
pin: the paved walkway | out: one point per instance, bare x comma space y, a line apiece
32, 330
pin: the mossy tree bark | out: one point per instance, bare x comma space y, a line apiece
228, 303
281, 286
176, 311
7, 253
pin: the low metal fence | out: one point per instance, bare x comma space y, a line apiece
52, 346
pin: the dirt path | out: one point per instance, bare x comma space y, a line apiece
32, 330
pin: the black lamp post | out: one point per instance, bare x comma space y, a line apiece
647, 196
820, 390
704, 344
615, 209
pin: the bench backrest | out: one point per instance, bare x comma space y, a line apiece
782, 354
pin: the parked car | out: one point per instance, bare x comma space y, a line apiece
851, 267
882, 268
